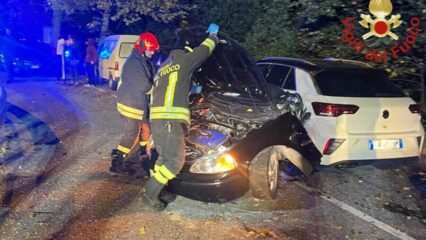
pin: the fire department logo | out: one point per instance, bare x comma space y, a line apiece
380, 26
147, 44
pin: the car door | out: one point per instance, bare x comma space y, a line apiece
290, 81
277, 75
264, 68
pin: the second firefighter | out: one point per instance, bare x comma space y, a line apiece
133, 98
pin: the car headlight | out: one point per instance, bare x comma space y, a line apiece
214, 164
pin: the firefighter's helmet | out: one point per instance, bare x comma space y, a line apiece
147, 41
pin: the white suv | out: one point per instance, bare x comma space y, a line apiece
356, 112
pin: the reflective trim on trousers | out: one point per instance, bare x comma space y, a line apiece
123, 149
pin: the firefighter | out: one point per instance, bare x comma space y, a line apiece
133, 97
170, 115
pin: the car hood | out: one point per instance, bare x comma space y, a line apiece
230, 72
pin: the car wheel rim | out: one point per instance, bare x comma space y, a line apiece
273, 174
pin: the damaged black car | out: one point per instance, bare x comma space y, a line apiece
241, 130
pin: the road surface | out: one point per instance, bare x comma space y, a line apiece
54, 184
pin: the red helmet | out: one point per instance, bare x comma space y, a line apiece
147, 41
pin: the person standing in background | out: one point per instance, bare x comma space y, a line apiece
60, 43
71, 56
7, 50
90, 62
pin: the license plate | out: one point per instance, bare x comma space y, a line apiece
35, 66
384, 144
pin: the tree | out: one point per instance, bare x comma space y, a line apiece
24, 15
59, 8
234, 17
132, 11
313, 29
273, 33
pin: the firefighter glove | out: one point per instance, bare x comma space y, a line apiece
213, 28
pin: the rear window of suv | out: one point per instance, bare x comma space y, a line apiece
356, 82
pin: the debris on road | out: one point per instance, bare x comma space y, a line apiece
142, 231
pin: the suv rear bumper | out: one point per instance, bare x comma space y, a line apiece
356, 149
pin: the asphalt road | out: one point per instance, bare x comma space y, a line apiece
54, 184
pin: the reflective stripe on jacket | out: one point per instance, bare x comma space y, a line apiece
173, 80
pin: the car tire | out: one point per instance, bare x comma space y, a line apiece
263, 174
112, 84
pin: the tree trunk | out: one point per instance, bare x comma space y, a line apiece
105, 23
56, 25
422, 82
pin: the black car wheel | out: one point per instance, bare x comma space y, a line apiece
264, 174
112, 84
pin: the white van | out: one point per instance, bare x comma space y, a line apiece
112, 53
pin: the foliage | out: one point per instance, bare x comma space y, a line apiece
133, 11
24, 15
272, 33
313, 29
69, 6
234, 17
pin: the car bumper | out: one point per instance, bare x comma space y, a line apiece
211, 187
357, 149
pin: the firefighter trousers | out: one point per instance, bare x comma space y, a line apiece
169, 141
136, 132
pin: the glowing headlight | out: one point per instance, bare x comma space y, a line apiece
214, 164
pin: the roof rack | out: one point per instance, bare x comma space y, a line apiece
347, 60
291, 59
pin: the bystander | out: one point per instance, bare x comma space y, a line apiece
7, 53
90, 62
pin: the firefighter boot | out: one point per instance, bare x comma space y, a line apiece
117, 162
150, 194
166, 196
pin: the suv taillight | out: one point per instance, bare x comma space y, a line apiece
117, 66
415, 108
332, 109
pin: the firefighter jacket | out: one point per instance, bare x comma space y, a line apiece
173, 81
134, 86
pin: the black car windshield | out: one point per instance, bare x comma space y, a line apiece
232, 70
356, 82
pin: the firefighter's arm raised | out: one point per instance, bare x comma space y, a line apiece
198, 55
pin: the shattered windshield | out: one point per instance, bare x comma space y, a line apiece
231, 70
